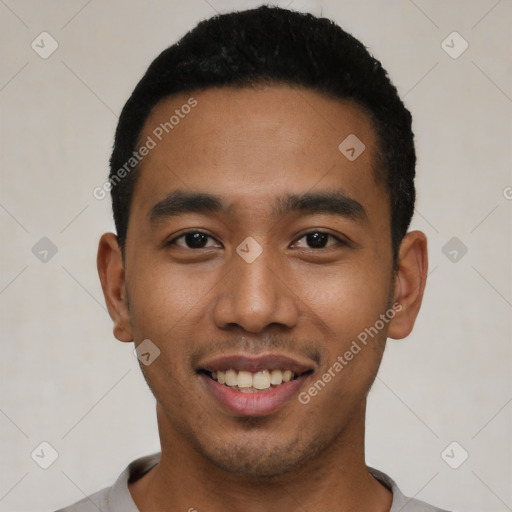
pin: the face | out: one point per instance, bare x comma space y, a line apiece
257, 254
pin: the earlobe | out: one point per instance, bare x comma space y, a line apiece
411, 275
111, 273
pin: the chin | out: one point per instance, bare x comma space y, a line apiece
261, 458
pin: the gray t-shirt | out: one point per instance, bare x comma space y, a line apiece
118, 498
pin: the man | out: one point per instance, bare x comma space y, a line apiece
262, 186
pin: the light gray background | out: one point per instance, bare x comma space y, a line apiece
67, 381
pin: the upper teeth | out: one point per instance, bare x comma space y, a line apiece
258, 380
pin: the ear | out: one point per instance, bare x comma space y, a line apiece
410, 280
111, 272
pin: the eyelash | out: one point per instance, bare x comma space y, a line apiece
338, 240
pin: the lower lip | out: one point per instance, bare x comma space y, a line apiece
253, 404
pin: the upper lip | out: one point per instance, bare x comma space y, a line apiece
255, 363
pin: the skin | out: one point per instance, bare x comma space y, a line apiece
251, 146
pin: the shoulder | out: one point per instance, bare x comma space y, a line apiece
98, 501
116, 498
400, 502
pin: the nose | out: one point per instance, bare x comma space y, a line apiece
255, 295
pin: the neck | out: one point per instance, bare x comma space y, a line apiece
336, 480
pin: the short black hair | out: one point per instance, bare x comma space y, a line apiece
276, 46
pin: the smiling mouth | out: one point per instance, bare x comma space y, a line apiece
253, 382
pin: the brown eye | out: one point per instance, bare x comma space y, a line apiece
317, 240
194, 240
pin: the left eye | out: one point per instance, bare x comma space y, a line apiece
317, 240
194, 240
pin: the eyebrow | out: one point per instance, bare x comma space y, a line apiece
180, 202
334, 203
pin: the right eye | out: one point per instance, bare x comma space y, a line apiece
193, 240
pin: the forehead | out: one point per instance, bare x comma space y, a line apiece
254, 143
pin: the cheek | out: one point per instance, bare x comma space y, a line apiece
347, 299
163, 297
